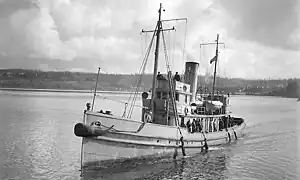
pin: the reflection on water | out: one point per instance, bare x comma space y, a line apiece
37, 141
210, 165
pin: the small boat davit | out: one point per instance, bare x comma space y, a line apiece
175, 120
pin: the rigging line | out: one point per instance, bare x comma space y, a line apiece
142, 45
184, 43
142, 65
219, 73
165, 51
142, 70
106, 98
135, 96
136, 83
171, 85
173, 49
225, 55
169, 45
134, 100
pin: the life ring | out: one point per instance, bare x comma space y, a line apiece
186, 110
147, 117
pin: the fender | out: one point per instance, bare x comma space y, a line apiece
83, 130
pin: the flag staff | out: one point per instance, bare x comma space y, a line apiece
216, 60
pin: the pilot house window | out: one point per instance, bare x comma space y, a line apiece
177, 97
158, 95
164, 95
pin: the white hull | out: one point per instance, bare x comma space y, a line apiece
96, 152
151, 140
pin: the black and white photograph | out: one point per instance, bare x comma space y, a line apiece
149, 89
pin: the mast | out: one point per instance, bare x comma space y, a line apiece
95, 92
156, 60
215, 71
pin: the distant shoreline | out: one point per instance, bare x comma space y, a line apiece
108, 92
64, 91
76, 82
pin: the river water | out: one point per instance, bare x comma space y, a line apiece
37, 141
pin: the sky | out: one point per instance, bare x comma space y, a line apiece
262, 37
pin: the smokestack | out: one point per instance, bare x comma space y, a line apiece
191, 77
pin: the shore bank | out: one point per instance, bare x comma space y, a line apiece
111, 92
65, 91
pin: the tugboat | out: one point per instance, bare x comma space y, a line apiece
174, 122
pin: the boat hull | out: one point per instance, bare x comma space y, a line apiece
100, 153
139, 140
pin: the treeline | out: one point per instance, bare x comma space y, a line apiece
36, 79
292, 89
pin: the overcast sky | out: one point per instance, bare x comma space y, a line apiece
262, 37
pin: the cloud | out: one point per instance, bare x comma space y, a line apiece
269, 22
253, 60
262, 37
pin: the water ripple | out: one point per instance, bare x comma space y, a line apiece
38, 143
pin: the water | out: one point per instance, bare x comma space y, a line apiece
37, 141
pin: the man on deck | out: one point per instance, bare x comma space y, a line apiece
177, 77
160, 76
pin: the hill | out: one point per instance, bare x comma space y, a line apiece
36, 79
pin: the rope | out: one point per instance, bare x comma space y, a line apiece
173, 50
137, 90
172, 97
142, 70
184, 46
184, 43
142, 46
137, 131
139, 81
171, 84
169, 44
104, 97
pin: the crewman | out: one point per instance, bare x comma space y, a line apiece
177, 77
